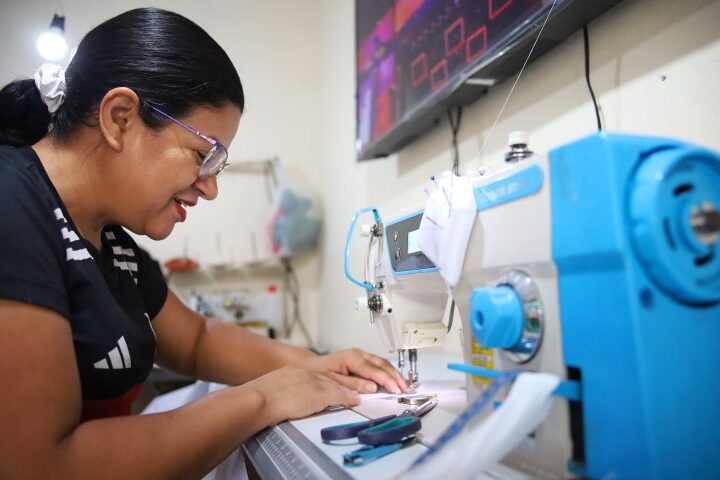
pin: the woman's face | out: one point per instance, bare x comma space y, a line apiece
163, 171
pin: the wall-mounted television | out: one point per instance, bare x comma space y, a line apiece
415, 59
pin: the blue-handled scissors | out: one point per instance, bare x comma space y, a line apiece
380, 436
378, 431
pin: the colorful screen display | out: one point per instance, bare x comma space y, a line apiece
411, 52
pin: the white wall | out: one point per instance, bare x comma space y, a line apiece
275, 46
655, 67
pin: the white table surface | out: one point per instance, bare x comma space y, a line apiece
435, 378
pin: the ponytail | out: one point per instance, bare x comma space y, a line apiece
24, 118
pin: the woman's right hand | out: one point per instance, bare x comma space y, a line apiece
292, 392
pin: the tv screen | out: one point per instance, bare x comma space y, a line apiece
417, 58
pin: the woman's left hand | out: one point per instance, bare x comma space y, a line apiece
358, 370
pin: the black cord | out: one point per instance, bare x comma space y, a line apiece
587, 77
292, 287
455, 128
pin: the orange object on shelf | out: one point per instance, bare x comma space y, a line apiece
181, 264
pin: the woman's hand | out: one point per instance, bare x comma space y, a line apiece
292, 392
358, 370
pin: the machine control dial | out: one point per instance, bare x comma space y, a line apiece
497, 316
509, 316
374, 302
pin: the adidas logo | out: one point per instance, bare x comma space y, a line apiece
119, 357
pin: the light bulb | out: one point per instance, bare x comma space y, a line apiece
51, 44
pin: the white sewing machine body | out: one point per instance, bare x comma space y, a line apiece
405, 295
412, 286
510, 245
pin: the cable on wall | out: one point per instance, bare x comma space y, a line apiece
292, 287
586, 42
454, 122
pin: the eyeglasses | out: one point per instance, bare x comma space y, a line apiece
215, 160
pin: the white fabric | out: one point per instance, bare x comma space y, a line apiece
525, 408
50, 80
233, 467
446, 225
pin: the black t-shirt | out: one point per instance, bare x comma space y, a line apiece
108, 297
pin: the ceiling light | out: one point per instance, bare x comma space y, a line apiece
51, 44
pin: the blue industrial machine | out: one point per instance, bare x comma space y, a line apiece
601, 263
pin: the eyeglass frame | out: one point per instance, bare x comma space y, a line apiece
216, 145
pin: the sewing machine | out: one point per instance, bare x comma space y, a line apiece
600, 263
405, 297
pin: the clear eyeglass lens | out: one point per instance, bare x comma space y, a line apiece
214, 162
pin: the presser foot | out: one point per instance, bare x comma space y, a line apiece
412, 386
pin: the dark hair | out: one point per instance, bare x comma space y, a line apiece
169, 61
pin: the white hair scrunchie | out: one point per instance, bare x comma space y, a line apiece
50, 80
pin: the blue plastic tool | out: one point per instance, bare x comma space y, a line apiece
379, 431
391, 431
367, 454
475, 407
350, 430
379, 436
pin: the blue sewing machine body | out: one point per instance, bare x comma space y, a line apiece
613, 285
640, 302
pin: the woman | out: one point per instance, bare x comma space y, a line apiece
128, 137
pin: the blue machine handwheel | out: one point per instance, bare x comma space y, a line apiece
669, 194
496, 316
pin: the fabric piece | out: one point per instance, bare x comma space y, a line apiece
446, 225
470, 452
108, 296
233, 467
50, 80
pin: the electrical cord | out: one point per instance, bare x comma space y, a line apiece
454, 129
586, 42
292, 287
